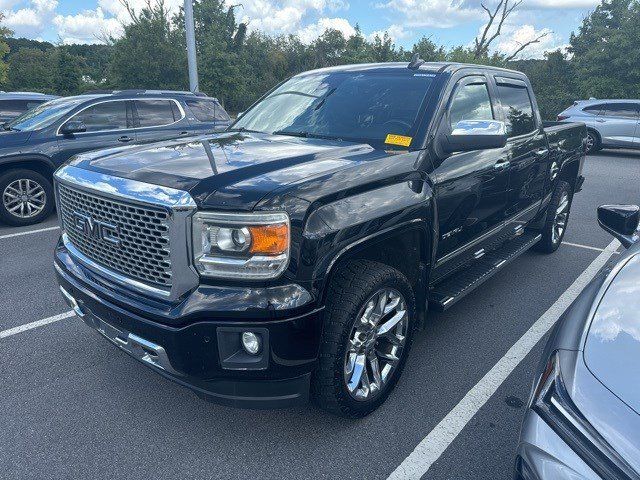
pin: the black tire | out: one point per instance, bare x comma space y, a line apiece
350, 291
594, 143
17, 219
551, 239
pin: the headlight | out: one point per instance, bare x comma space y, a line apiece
253, 246
552, 402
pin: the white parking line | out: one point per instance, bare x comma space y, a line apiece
28, 232
437, 441
579, 245
39, 323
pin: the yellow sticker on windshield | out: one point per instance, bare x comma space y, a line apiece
398, 140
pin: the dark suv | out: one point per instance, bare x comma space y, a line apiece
33, 145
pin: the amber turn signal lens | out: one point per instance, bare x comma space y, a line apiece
269, 239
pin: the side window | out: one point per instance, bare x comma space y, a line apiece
593, 109
517, 109
13, 108
623, 110
104, 116
207, 110
470, 102
155, 113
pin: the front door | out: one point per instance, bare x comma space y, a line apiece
529, 152
471, 187
108, 125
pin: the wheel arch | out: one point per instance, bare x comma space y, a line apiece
41, 164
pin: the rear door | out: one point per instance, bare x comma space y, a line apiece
529, 152
159, 119
617, 124
108, 123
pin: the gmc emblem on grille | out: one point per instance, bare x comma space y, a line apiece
96, 229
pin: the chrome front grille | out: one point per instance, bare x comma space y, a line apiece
141, 249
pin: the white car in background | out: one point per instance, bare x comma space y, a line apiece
610, 123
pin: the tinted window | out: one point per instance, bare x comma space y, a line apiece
593, 109
357, 106
625, 110
153, 113
207, 110
517, 108
104, 116
13, 108
471, 102
45, 114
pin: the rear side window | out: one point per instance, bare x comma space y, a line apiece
13, 108
593, 109
517, 109
470, 102
156, 113
624, 110
207, 110
104, 116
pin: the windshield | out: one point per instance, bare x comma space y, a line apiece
43, 115
368, 107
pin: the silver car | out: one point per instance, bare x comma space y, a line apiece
583, 420
610, 123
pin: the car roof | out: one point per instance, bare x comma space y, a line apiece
595, 101
432, 67
26, 96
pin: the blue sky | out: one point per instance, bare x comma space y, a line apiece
447, 22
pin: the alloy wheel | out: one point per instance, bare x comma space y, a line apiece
560, 220
376, 343
24, 198
591, 141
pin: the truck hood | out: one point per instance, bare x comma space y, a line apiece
229, 170
12, 138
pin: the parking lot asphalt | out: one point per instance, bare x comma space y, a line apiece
72, 406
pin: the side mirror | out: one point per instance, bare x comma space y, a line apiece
621, 221
73, 126
470, 135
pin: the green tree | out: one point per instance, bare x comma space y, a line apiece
68, 78
33, 69
428, 50
4, 50
605, 51
151, 53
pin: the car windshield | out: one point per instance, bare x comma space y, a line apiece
368, 107
43, 115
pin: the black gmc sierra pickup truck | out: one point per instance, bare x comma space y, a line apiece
296, 254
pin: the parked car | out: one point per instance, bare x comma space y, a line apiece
33, 145
14, 104
610, 123
583, 419
298, 251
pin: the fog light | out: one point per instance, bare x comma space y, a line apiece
250, 343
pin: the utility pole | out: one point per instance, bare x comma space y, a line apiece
191, 45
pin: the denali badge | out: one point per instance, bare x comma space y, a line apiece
97, 229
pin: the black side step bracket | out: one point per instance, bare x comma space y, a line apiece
447, 293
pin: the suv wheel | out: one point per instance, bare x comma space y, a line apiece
26, 197
555, 224
593, 141
369, 325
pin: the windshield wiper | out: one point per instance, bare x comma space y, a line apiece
305, 135
243, 129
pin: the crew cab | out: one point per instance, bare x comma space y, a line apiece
297, 253
33, 145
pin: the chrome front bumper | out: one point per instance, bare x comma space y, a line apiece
143, 350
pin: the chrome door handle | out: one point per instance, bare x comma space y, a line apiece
600, 120
501, 165
542, 152
125, 139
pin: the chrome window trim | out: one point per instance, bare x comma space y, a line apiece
180, 205
182, 113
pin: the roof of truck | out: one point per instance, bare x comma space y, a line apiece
431, 67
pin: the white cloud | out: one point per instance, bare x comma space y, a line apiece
309, 33
89, 26
395, 32
432, 13
559, 4
116, 9
31, 19
513, 37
